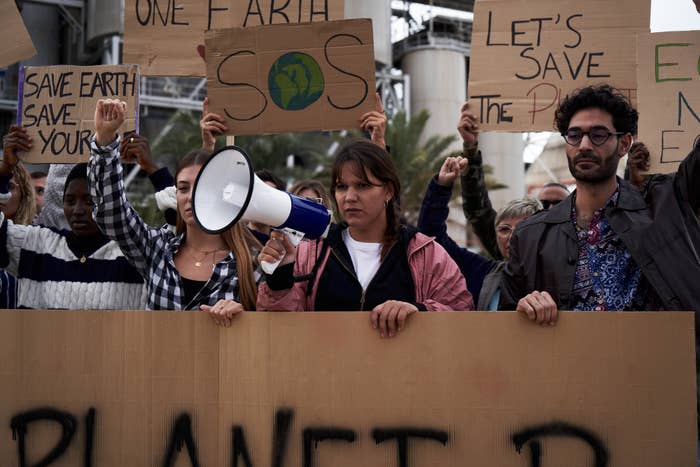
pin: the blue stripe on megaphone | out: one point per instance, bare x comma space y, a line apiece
307, 216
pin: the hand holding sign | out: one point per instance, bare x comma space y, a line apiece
374, 122
13, 143
223, 311
211, 125
109, 116
390, 317
467, 126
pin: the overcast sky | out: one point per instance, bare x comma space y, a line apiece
666, 15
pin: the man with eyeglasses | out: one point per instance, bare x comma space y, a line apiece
607, 246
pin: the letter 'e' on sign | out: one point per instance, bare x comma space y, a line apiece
56, 104
15, 40
529, 54
296, 77
669, 103
166, 37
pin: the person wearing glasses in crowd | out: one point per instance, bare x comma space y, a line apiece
475, 197
483, 274
607, 246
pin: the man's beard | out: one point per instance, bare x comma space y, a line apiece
607, 167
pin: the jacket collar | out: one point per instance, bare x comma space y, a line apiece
630, 199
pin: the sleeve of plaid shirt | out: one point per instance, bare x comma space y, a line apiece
113, 213
476, 203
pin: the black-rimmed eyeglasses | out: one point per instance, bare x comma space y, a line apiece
598, 135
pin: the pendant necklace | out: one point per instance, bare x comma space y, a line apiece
199, 261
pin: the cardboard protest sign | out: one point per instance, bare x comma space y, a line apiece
304, 389
297, 77
528, 54
166, 37
15, 40
669, 103
56, 104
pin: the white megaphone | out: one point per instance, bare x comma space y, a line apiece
227, 191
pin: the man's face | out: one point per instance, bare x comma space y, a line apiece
591, 163
39, 185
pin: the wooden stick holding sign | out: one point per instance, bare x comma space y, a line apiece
528, 54
297, 77
56, 104
669, 102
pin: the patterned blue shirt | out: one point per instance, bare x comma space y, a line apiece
607, 277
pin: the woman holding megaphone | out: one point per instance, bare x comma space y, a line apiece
370, 262
188, 269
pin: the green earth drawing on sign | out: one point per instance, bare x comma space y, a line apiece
295, 81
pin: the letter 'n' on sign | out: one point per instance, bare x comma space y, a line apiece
56, 105
669, 103
296, 77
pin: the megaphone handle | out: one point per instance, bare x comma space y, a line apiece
295, 237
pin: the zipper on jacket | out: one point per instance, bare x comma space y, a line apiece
352, 273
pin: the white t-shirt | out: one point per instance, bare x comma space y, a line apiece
365, 258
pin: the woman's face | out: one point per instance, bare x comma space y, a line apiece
77, 207
504, 230
362, 204
10, 207
183, 185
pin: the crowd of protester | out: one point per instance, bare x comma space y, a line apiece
70, 238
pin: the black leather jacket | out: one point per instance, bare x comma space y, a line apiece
659, 227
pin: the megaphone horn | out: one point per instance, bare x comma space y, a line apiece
227, 191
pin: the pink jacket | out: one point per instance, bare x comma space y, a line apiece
440, 286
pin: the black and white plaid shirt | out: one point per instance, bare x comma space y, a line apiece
150, 250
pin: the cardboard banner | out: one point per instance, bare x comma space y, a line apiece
116, 389
166, 37
56, 104
297, 77
528, 54
15, 40
669, 103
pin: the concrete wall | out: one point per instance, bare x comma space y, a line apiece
439, 85
380, 13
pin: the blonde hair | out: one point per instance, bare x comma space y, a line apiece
238, 238
26, 210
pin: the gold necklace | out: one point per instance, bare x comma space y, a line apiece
197, 261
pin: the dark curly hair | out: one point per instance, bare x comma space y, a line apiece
602, 96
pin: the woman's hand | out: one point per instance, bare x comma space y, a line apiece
109, 116
390, 317
211, 125
277, 248
374, 122
223, 312
13, 143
